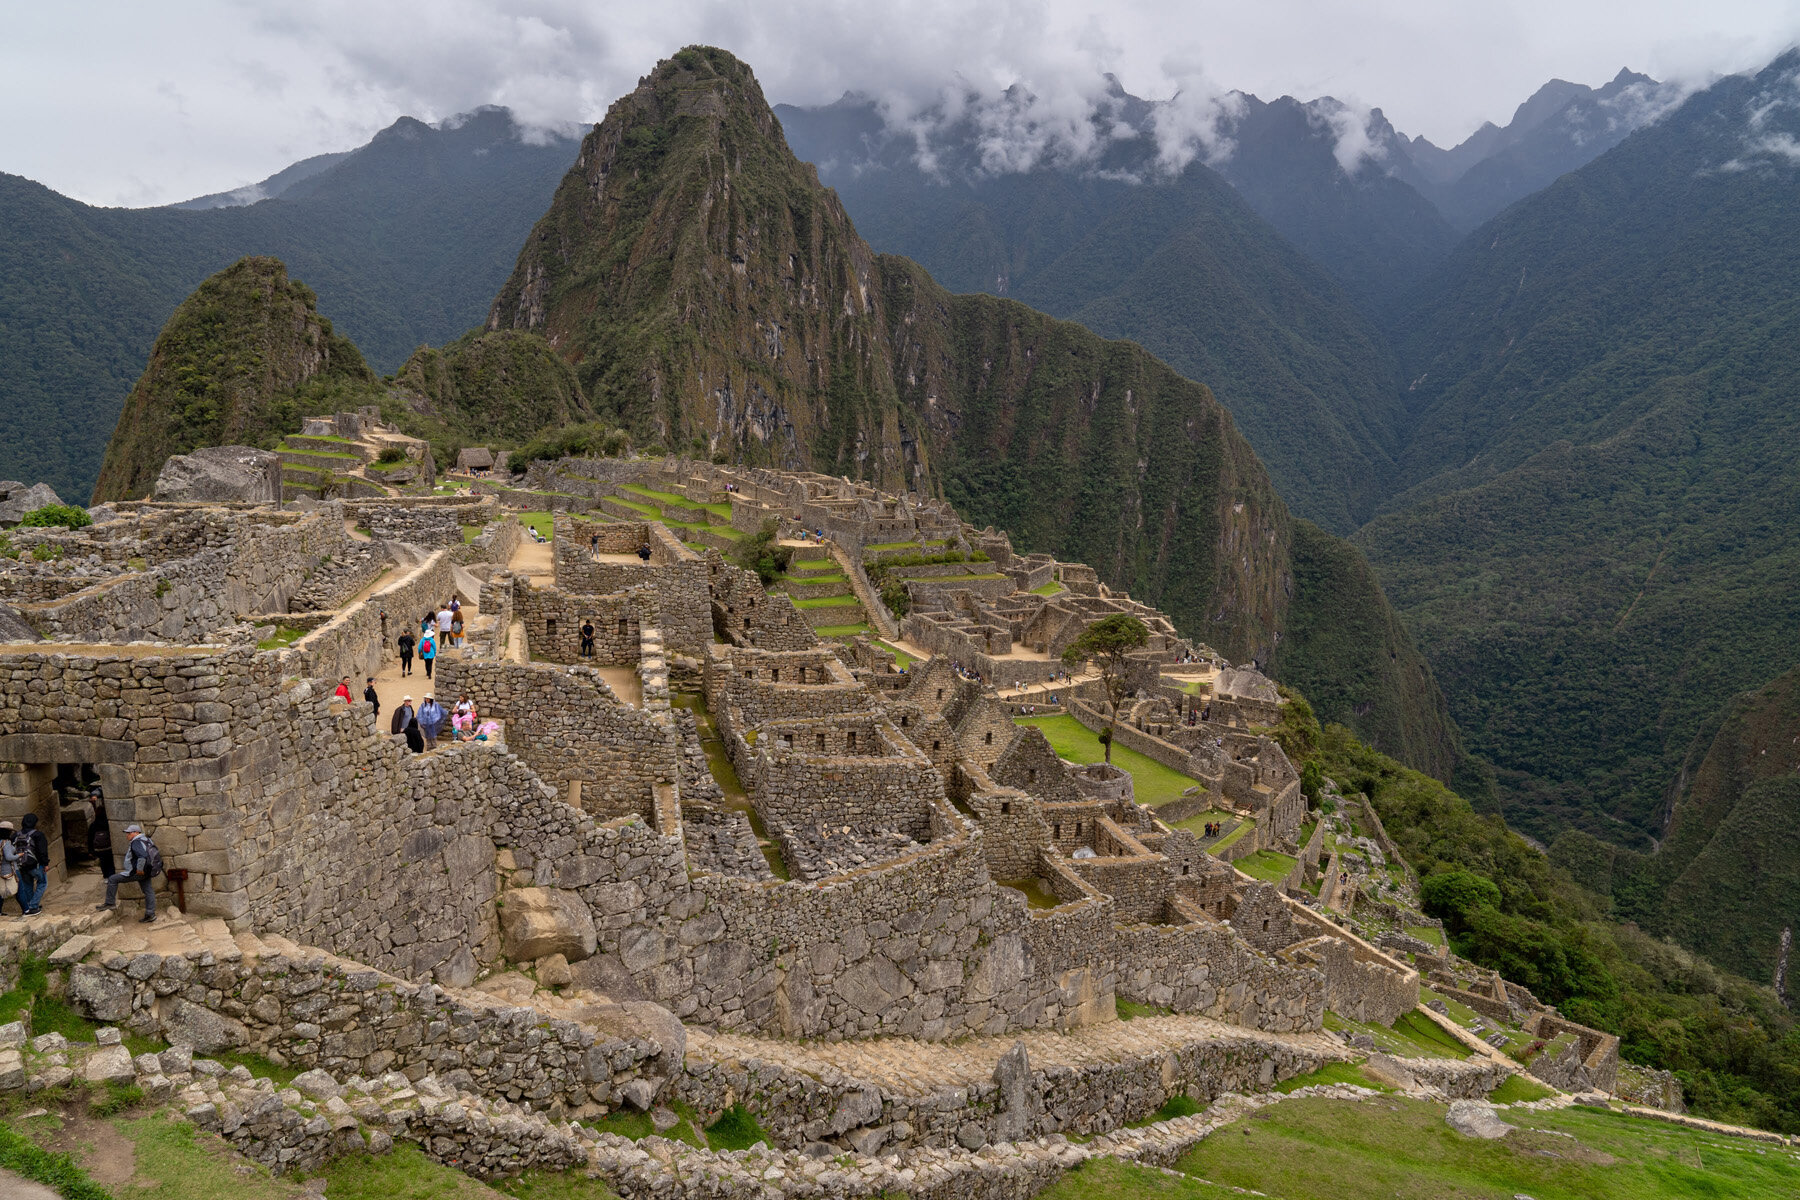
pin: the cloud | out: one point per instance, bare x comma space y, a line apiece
261, 85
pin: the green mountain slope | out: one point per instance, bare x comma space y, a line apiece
705, 287
486, 387
227, 369
405, 240
1185, 266
1600, 552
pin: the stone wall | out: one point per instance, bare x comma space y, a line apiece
433, 524
675, 578
552, 620
568, 726
357, 641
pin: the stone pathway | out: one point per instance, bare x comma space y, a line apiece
918, 1068
17, 1187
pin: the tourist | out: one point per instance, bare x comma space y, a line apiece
402, 715
143, 863
643, 552
428, 652
343, 689
456, 629
431, 719
444, 620
415, 737
373, 697
10, 882
406, 643
99, 836
587, 639
594, 544
34, 858
427, 624
463, 717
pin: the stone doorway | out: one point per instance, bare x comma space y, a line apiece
39, 771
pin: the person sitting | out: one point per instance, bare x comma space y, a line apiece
463, 717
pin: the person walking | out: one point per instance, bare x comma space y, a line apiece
428, 652
99, 838
444, 619
143, 863
406, 642
431, 719
402, 717
587, 639
10, 880
34, 862
456, 629
373, 697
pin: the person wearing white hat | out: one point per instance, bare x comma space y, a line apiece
143, 863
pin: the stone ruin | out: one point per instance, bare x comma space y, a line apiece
706, 818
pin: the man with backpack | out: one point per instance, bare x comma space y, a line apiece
406, 642
143, 863
34, 857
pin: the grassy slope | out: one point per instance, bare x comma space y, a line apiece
1152, 782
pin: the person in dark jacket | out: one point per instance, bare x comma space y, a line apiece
100, 837
370, 695
34, 881
137, 870
406, 642
415, 738
402, 715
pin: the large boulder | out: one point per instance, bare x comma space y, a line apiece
220, 475
535, 922
16, 500
185, 1023
641, 1020
1472, 1118
102, 994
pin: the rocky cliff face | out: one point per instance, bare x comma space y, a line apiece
713, 296
226, 369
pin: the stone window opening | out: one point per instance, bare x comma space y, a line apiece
850, 741
1031, 775
789, 739
903, 720
935, 743
1056, 830
624, 628
821, 743
990, 737
774, 674
1265, 928
1078, 829
1184, 868
940, 693
1005, 807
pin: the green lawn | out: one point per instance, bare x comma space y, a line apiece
1426, 933
1317, 1149
1410, 1036
1048, 589
663, 497
838, 631
1270, 866
540, 521
884, 547
828, 602
902, 659
1153, 783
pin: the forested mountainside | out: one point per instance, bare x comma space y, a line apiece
232, 366
1726, 878
1182, 265
707, 290
405, 241
1603, 398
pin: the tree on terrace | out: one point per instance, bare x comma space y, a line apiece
1108, 644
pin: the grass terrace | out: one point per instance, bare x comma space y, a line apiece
1270, 866
840, 631
1152, 782
1052, 588
1410, 1036
902, 660
540, 521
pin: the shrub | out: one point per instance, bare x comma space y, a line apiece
762, 553
1454, 896
68, 516
391, 454
590, 440
7, 549
47, 552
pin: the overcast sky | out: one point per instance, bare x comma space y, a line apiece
139, 102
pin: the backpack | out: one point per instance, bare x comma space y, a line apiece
150, 858
28, 859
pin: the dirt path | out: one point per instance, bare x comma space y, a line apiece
534, 561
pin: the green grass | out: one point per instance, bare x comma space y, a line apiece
829, 602
638, 1125
834, 631
1426, 933
287, 449
34, 977
1270, 866
58, 1172
471, 532
555, 1185
902, 659
812, 564
884, 547
52, 1014
663, 497
1048, 589
175, 1161
1518, 1089
1152, 782
1408, 1037
285, 635
647, 510
835, 577
1319, 1149
1036, 894
947, 578
1330, 1073
1234, 836
540, 521
1175, 1106
404, 1173
736, 1129
1111, 1179
1131, 1010
256, 1064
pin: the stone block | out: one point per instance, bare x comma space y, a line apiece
537, 922
72, 951
188, 1024
102, 994
110, 1064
